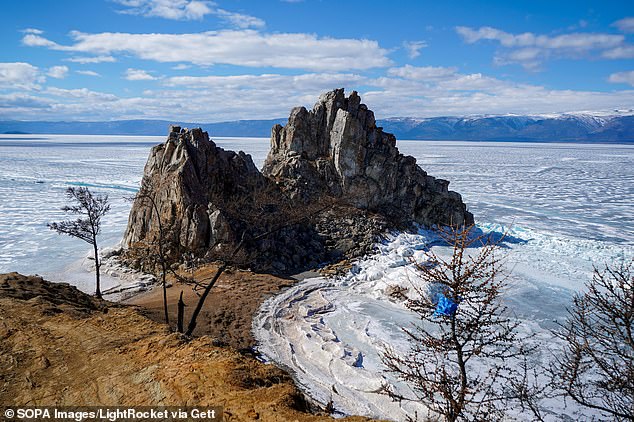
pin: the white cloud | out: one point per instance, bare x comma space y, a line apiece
181, 66
240, 20
479, 94
35, 40
58, 72
531, 49
242, 48
582, 41
20, 75
33, 31
422, 73
188, 10
187, 98
403, 91
409, 92
271, 96
625, 25
413, 48
138, 75
88, 72
18, 101
525, 54
168, 9
622, 78
476, 82
247, 96
622, 52
83, 93
312, 82
529, 57
96, 59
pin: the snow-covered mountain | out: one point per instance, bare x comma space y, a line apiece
586, 127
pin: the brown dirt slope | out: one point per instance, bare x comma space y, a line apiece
229, 308
59, 346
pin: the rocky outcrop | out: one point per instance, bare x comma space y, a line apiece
198, 201
332, 164
337, 148
191, 181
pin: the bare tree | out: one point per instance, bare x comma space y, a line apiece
146, 194
460, 359
596, 366
89, 208
201, 300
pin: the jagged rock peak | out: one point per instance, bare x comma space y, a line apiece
337, 149
190, 180
308, 133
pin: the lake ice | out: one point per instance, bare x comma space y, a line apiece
568, 206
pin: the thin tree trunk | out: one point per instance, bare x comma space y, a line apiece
162, 256
97, 266
462, 367
181, 313
167, 318
201, 301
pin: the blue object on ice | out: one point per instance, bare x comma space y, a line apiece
445, 306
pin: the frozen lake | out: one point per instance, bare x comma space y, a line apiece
570, 207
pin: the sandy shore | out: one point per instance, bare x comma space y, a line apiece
228, 311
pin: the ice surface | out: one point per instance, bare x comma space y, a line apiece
34, 174
584, 191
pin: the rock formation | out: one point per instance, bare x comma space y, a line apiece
191, 181
338, 148
332, 163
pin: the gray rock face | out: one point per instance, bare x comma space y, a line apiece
191, 181
337, 149
208, 198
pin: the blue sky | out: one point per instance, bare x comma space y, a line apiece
204, 61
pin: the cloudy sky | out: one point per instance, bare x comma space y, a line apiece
207, 61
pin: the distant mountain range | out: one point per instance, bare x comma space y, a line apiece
577, 127
256, 128
548, 128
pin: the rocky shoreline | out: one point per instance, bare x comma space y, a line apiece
333, 184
